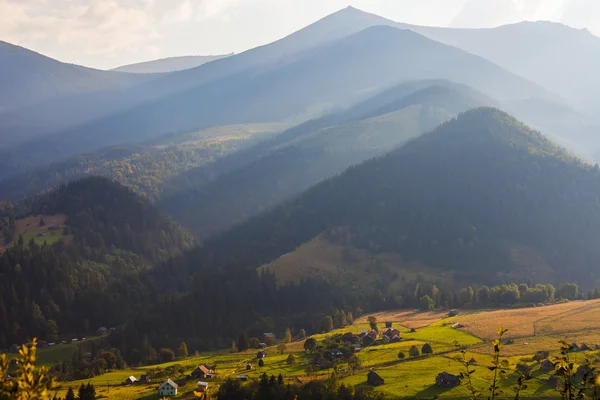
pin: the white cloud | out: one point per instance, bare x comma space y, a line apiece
182, 13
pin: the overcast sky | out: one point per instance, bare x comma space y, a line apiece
109, 33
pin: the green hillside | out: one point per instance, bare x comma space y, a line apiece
482, 196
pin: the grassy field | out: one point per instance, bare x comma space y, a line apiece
29, 228
330, 261
408, 378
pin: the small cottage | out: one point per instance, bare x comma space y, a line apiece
473, 361
131, 380
412, 330
200, 372
337, 354
242, 377
374, 379
546, 365
585, 347
576, 348
447, 380
248, 367
395, 339
457, 326
452, 313
261, 354
202, 386
269, 336
388, 324
168, 388
372, 334
145, 379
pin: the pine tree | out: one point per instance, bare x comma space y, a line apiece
327, 324
350, 318
183, 350
243, 342
287, 337
70, 394
82, 393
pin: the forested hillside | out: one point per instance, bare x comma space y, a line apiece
293, 161
482, 195
111, 237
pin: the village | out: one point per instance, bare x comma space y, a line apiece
428, 352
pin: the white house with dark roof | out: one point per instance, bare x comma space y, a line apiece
168, 388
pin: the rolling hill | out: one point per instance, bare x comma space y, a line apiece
480, 197
288, 164
170, 64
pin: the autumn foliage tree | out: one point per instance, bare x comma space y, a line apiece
29, 382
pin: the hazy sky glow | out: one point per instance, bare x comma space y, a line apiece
109, 33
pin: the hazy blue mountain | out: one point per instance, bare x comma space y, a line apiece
364, 63
560, 58
170, 64
28, 77
480, 197
75, 108
290, 163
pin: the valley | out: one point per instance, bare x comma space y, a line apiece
413, 376
350, 208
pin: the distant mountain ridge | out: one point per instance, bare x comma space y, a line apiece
170, 64
28, 77
368, 61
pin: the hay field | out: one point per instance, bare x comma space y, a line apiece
571, 317
408, 318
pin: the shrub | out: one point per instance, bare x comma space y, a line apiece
426, 349
414, 352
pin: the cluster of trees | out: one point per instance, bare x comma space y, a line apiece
274, 388
85, 392
426, 349
338, 319
86, 364
332, 351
